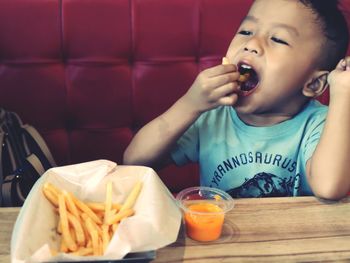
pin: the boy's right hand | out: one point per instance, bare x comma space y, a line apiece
214, 87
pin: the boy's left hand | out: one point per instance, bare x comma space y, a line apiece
339, 79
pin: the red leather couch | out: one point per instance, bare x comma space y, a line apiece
89, 73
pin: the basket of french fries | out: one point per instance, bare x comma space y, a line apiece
94, 211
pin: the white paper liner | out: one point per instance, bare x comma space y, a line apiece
155, 224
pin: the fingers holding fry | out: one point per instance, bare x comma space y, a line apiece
243, 77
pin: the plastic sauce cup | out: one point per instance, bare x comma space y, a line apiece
204, 210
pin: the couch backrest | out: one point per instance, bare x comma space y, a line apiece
89, 73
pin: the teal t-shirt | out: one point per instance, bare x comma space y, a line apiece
248, 161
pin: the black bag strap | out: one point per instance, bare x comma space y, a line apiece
31, 132
13, 125
2, 136
36, 164
6, 190
1, 170
2, 116
21, 139
11, 183
40, 142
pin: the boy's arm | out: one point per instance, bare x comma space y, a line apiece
329, 168
152, 143
154, 140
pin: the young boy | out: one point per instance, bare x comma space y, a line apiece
266, 136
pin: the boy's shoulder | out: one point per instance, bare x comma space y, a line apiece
216, 114
313, 115
314, 107
315, 104
312, 111
219, 111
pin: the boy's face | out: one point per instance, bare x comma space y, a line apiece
281, 40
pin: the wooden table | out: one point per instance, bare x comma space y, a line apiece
257, 230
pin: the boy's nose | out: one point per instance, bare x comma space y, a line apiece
253, 50
253, 47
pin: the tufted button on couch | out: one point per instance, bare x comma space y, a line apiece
89, 73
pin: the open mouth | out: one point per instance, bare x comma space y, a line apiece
249, 78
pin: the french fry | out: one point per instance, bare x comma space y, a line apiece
83, 207
63, 247
105, 237
114, 227
77, 227
54, 252
87, 228
84, 251
53, 189
98, 207
95, 246
113, 212
108, 202
70, 204
100, 246
95, 226
64, 223
93, 234
72, 234
101, 215
89, 243
51, 196
225, 61
244, 77
131, 199
59, 226
86, 234
120, 216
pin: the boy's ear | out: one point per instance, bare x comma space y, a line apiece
316, 85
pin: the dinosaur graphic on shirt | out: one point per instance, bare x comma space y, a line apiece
264, 185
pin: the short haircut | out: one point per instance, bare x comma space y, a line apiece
334, 26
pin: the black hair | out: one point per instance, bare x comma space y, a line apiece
334, 25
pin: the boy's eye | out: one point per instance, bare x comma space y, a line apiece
245, 32
279, 41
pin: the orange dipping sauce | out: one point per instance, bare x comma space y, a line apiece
206, 225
